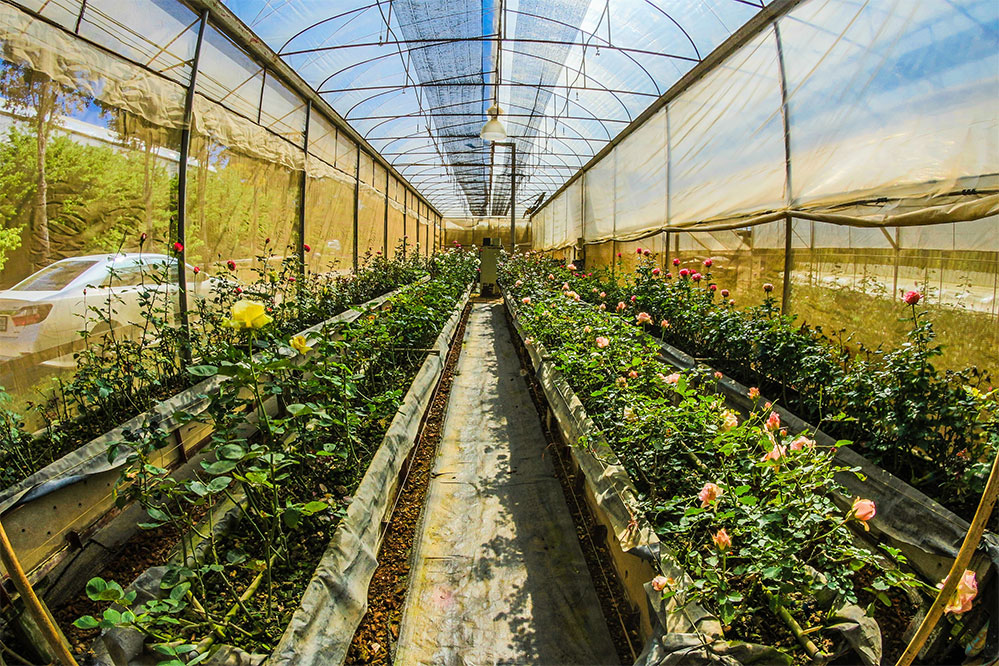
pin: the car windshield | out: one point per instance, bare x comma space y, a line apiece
56, 276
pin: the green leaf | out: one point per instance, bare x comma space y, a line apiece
96, 587
741, 490
219, 483
203, 370
178, 592
219, 467
112, 616
86, 622
749, 500
315, 507
231, 452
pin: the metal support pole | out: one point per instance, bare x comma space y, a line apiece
385, 224
185, 150
513, 197
405, 219
357, 194
303, 187
785, 302
785, 296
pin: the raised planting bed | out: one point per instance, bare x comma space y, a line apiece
684, 626
936, 430
55, 510
147, 356
288, 578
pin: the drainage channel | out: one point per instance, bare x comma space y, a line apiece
484, 558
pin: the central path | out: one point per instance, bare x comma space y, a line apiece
498, 575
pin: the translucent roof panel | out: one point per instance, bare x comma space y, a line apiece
415, 78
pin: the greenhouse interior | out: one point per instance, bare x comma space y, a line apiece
672, 325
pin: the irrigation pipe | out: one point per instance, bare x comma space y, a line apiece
968, 548
32, 602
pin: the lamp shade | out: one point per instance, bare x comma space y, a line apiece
493, 130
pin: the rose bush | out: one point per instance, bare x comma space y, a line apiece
743, 506
937, 430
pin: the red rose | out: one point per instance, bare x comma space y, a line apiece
767, 287
676, 262
712, 287
707, 263
239, 290
231, 264
912, 297
196, 270
305, 246
178, 246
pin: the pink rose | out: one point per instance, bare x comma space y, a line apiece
648, 253
724, 293
773, 421
723, 541
707, 263
655, 271
730, 420
594, 290
633, 299
712, 287
718, 374
863, 510
754, 393
684, 272
669, 276
643, 318
659, 583
620, 306
565, 286
602, 342
603, 306
802, 442
696, 277
911, 298
709, 493
518, 283
676, 262
673, 379
603, 294
776, 453
967, 590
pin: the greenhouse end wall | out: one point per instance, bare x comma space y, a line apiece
97, 113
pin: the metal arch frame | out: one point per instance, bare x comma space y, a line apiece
589, 35
432, 110
424, 169
471, 153
445, 82
445, 139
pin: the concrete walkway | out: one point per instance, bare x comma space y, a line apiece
498, 575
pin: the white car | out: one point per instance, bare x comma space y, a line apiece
43, 314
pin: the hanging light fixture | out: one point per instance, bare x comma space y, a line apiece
493, 130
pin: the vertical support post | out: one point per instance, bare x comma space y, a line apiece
898, 250
665, 250
303, 187
513, 197
405, 220
185, 150
385, 233
785, 296
39, 613
785, 302
357, 193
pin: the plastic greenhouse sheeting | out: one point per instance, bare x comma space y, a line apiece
874, 114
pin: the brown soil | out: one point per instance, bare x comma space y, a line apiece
379, 627
622, 620
146, 548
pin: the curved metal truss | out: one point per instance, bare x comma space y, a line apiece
415, 77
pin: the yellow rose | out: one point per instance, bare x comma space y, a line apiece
299, 344
249, 314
